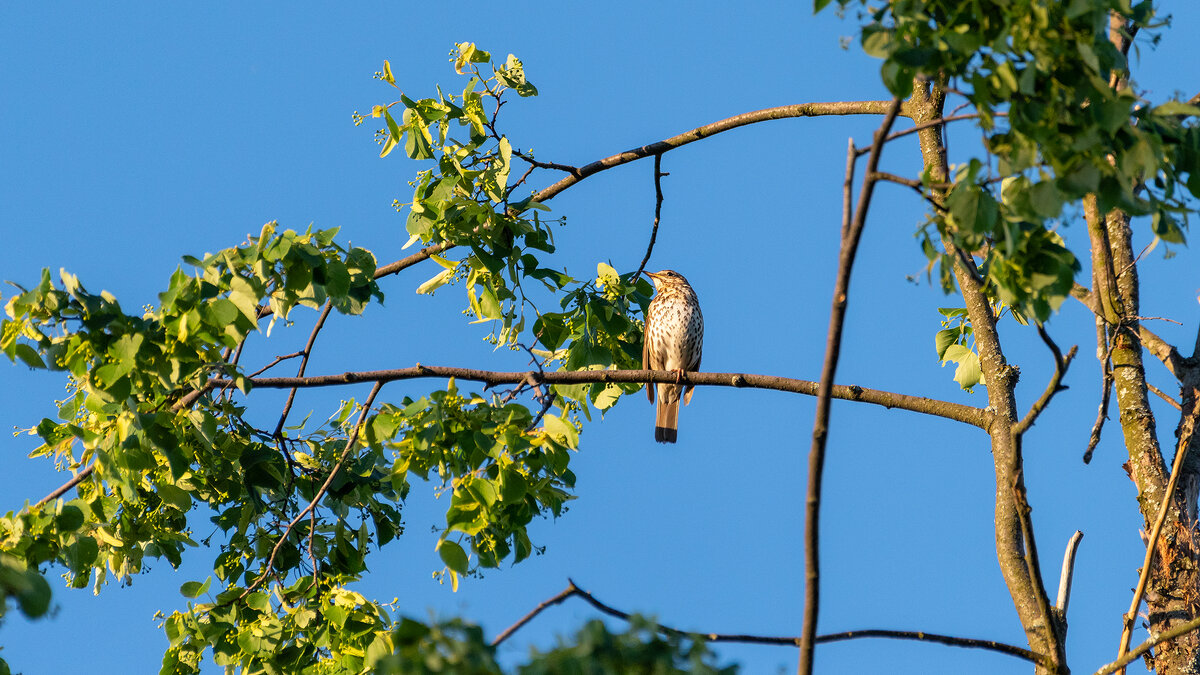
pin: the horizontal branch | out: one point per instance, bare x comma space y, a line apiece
579, 173
574, 590
778, 113
954, 411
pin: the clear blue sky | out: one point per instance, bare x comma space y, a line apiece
131, 137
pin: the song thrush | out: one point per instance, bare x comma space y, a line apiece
673, 341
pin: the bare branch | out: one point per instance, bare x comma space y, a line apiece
574, 590
1187, 428
699, 133
1053, 387
833, 348
1159, 392
308, 346
848, 187
658, 200
931, 123
1068, 573
1103, 353
1135, 653
955, 411
562, 595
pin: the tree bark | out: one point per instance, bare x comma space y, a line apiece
1173, 591
1015, 551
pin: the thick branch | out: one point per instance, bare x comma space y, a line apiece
920, 404
1011, 511
1185, 440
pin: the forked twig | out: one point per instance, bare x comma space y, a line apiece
312, 504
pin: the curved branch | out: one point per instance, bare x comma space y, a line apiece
573, 589
699, 133
1053, 386
954, 411
658, 200
657, 149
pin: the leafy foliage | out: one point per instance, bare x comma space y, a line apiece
1041, 78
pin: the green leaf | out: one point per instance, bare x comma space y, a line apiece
944, 339
194, 589
453, 555
69, 519
968, 374
28, 356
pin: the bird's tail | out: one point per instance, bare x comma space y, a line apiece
666, 425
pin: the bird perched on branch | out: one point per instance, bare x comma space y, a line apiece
673, 341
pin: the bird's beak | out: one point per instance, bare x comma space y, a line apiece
652, 275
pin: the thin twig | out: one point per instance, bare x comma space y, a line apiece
1104, 353
1068, 573
658, 200
833, 348
308, 347
931, 123
1055, 384
574, 590
848, 186
562, 595
978, 417
1150, 643
1187, 428
312, 504
1161, 394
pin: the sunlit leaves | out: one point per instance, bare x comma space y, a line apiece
954, 344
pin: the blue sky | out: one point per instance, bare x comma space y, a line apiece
133, 136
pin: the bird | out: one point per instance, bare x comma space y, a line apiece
673, 341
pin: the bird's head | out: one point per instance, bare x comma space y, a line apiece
666, 278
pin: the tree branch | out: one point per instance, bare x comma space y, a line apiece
308, 346
658, 200
1053, 387
1187, 428
699, 133
574, 590
1151, 643
833, 348
1068, 573
928, 124
1104, 355
954, 411
1161, 394
312, 504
